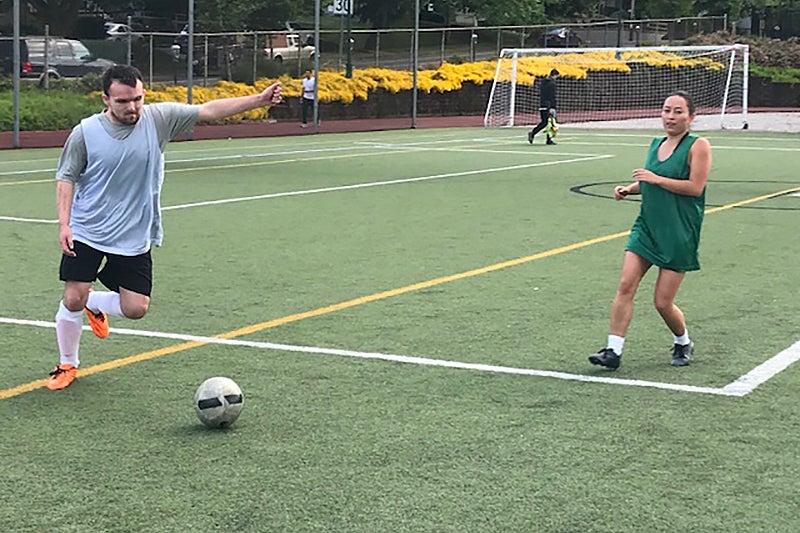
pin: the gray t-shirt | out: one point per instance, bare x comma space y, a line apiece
171, 119
118, 171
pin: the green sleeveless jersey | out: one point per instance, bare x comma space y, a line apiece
667, 230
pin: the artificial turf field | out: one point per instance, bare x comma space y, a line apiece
409, 314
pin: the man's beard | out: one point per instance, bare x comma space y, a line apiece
129, 119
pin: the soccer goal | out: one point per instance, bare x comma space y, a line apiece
621, 87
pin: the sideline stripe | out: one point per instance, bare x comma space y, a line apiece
410, 180
382, 183
34, 220
764, 371
356, 146
26, 182
8, 393
728, 391
588, 157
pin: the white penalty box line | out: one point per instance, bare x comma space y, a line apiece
741, 386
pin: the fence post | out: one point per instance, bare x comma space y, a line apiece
378, 49
130, 38
255, 56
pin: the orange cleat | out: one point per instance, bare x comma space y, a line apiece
99, 323
62, 377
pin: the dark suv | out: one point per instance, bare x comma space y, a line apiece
67, 58
7, 57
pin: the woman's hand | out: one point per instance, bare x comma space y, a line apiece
621, 191
647, 176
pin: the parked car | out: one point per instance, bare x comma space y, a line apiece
7, 57
283, 46
560, 38
120, 32
67, 58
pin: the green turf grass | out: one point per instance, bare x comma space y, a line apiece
330, 443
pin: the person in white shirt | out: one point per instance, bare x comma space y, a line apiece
108, 191
308, 98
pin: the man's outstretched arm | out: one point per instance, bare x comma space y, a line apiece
226, 107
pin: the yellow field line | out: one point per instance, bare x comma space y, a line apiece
751, 200
33, 385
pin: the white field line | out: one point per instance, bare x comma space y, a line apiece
437, 138
765, 371
344, 187
417, 144
265, 154
649, 135
483, 142
384, 183
740, 387
645, 142
310, 148
242, 157
212, 158
33, 220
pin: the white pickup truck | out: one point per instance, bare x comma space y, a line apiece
282, 46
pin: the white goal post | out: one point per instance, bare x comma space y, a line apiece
619, 87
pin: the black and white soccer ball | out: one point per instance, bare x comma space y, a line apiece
218, 402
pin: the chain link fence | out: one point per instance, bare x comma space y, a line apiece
247, 56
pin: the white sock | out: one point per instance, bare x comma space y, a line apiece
105, 302
683, 340
615, 342
69, 325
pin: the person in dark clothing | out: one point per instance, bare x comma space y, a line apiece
547, 105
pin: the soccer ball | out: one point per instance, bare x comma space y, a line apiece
218, 402
551, 129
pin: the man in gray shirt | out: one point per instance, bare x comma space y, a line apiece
108, 192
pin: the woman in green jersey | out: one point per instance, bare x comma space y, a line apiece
667, 230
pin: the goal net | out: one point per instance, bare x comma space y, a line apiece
621, 87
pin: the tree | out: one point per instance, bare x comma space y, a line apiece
381, 14
61, 15
227, 15
561, 10
514, 12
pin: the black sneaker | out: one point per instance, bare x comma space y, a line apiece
682, 354
605, 357
530, 137
550, 141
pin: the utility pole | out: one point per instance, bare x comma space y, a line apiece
415, 67
349, 67
15, 80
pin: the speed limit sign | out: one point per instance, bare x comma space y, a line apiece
342, 7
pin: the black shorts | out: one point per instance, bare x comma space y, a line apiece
134, 273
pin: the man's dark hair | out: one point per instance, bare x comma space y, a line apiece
554, 72
123, 74
687, 98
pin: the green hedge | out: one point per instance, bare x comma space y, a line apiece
776, 74
51, 110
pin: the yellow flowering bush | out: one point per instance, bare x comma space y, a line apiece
335, 87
